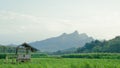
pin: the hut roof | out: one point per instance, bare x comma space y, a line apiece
27, 45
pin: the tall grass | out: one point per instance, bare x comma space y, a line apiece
65, 63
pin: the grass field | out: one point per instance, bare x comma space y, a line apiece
65, 63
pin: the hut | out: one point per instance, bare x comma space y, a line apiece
23, 52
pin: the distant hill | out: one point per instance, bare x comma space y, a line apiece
64, 41
110, 46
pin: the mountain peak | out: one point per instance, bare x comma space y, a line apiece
64, 34
76, 32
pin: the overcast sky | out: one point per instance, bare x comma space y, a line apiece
32, 20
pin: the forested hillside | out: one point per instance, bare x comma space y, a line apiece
110, 46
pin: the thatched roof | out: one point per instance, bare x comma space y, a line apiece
28, 46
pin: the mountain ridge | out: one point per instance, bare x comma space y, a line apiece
64, 41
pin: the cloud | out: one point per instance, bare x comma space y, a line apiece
25, 23
9, 15
29, 19
95, 23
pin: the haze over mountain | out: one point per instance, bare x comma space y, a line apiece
64, 41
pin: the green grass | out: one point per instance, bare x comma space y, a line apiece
65, 63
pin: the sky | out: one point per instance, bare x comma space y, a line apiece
33, 20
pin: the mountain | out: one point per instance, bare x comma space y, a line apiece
64, 41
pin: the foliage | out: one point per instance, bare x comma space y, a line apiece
111, 46
7, 49
2, 56
39, 55
34, 55
93, 55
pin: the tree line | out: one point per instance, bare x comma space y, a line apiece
110, 46
7, 49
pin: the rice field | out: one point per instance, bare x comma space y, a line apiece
64, 63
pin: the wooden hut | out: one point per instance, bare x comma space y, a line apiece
23, 52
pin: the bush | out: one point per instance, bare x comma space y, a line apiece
93, 55
39, 55
2, 56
